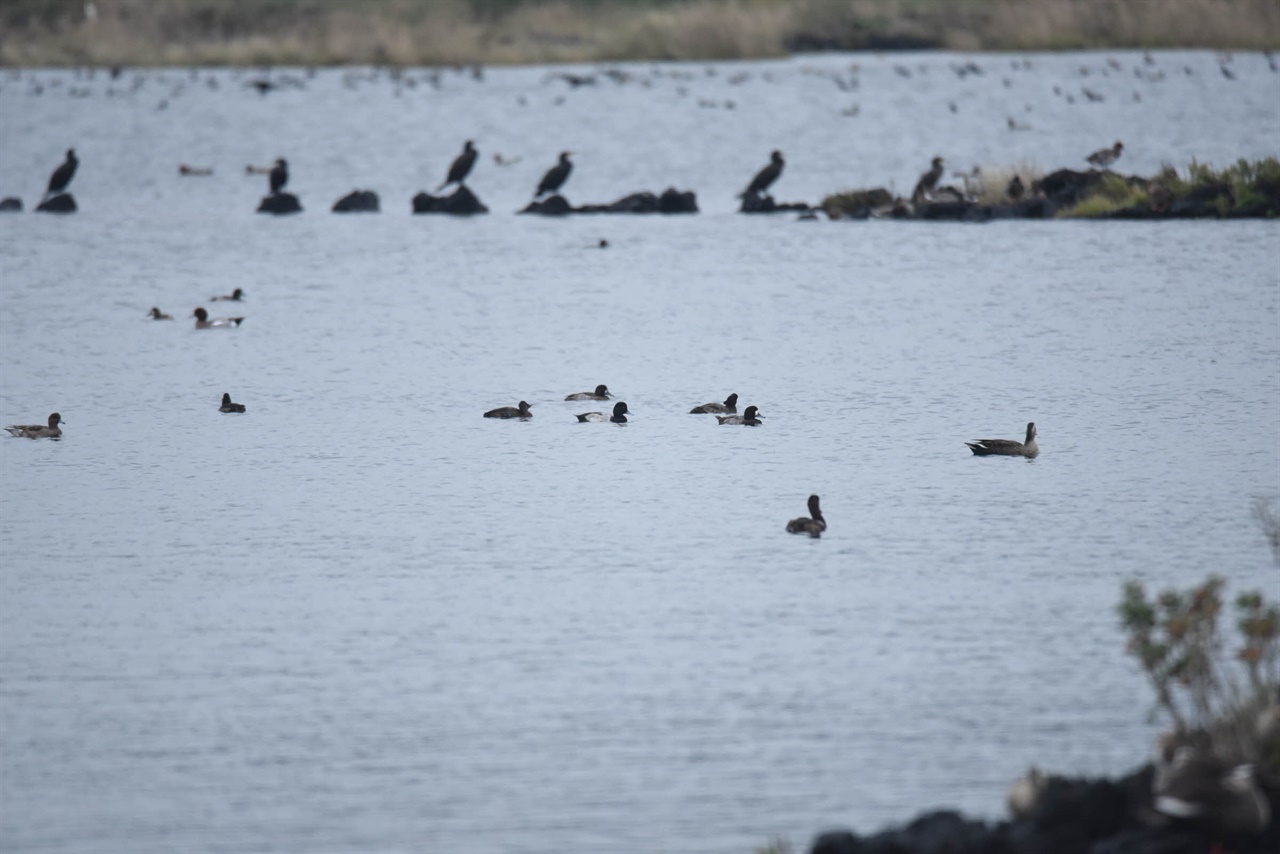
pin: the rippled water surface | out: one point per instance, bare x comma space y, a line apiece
362, 617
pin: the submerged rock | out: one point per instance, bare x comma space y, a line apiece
672, 201
280, 203
461, 202
10, 203
61, 203
754, 203
358, 201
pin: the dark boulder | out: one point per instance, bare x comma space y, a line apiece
61, 203
755, 203
942, 832
280, 203
461, 202
11, 203
857, 204
556, 205
672, 201
358, 201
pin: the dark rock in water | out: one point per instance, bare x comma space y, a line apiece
859, 204
556, 205
280, 203
11, 203
755, 203
461, 202
61, 203
672, 201
358, 201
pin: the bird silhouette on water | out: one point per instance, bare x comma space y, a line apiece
62, 176
765, 176
279, 175
461, 166
556, 176
928, 181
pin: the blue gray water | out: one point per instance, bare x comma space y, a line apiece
362, 617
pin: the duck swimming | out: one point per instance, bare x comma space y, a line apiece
203, 321
813, 524
730, 405
38, 431
228, 406
1007, 447
522, 411
620, 413
157, 314
601, 393
234, 296
750, 418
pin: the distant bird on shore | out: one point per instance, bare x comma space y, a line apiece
556, 176
928, 181
461, 166
1015, 190
1104, 157
279, 175
813, 524
765, 176
228, 406
1007, 447
62, 176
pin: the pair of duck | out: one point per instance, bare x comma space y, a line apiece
202, 316
620, 413
750, 418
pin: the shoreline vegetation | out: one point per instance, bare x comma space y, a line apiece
44, 33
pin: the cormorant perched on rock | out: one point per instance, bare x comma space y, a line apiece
1015, 190
765, 176
927, 181
1104, 157
556, 176
461, 166
62, 176
279, 175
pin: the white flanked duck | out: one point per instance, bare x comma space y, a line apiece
1007, 447
203, 321
521, 411
813, 524
601, 393
234, 296
620, 413
38, 431
750, 418
730, 405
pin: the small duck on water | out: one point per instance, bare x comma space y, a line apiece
601, 393
228, 406
750, 418
521, 411
1007, 447
203, 321
813, 524
234, 296
157, 314
620, 413
38, 431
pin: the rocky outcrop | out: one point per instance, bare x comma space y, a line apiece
461, 202
671, 201
358, 201
60, 203
857, 204
280, 203
10, 203
1069, 816
754, 203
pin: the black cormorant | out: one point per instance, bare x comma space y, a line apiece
461, 166
279, 175
62, 176
927, 181
765, 176
556, 176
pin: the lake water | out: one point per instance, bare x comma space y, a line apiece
360, 617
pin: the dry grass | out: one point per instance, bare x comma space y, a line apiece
435, 32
